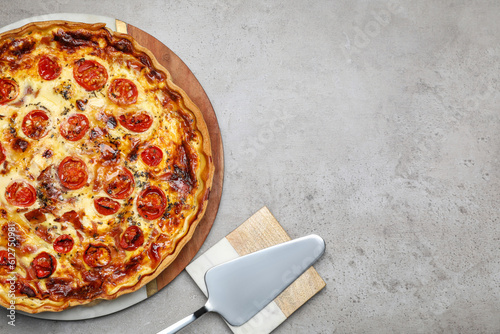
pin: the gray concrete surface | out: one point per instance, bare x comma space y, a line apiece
374, 124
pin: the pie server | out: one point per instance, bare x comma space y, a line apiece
240, 288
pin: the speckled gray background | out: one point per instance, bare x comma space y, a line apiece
374, 124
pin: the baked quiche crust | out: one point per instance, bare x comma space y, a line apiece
105, 166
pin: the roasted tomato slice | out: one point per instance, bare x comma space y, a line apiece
2, 154
7, 264
136, 121
132, 238
122, 92
44, 265
63, 244
35, 124
97, 256
48, 68
106, 206
20, 194
152, 156
72, 173
8, 90
90, 74
151, 203
119, 183
75, 127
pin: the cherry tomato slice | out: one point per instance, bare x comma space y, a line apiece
152, 156
90, 74
136, 121
48, 68
35, 124
151, 203
75, 127
44, 265
63, 244
4, 258
122, 92
97, 256
2, 154
132, 238
106, 206
8, 90
119, 183
20, 194
72, 173
7, 263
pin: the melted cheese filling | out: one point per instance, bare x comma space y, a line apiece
58, 98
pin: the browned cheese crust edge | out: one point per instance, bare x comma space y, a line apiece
199, 125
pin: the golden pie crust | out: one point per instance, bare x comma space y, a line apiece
105, 168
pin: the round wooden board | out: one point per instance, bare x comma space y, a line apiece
184, 78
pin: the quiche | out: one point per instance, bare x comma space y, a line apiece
105, 166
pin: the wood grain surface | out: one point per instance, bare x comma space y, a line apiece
184, 78
262, 230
